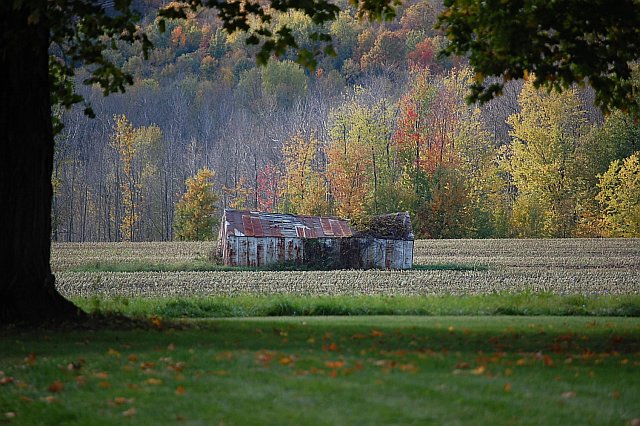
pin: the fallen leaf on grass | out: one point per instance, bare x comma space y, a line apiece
133, 357
386, 363
74, 366
177, 367
334, 364
26, 399
104, 385
280, 332
330, 347
154, 381
156, 322
377, 333
56, 387
506, 387
121, 400
264, 357
130, 412
80, 380
587, 354
5, 380
546, 359
479, 370
286, 360
10, 414
101, 375
568, 395
30, 359
113, 352
49, 399
180, 390
615, 394
634, 422
408, 368
462, 365
171, 347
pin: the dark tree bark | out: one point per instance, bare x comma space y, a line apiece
27, 286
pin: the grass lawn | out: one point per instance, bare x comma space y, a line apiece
327, 370
524, 303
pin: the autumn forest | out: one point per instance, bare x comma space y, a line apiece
380, 126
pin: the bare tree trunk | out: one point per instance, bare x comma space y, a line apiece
27, 286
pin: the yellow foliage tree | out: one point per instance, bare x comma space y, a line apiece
305, 191
135, 148
195, 212
546, 133
123, 140
620, 197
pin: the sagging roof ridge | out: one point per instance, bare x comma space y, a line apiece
264, 224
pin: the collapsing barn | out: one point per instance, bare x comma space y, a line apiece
249, 238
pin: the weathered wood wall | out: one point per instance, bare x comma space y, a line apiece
261, 251
360, 253
385, 254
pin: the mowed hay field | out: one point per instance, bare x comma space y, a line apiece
558, 266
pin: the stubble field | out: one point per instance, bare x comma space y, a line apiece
470, 267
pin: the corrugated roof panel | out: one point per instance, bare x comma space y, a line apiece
335, 228
246, 225
346, 229
326, 227
257, 227
275, 231
309, 231
317, 227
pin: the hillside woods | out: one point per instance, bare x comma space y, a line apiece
381, 126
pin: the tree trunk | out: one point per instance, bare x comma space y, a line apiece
27, 286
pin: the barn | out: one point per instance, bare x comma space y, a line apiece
256, 239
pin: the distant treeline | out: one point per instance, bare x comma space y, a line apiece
381, 126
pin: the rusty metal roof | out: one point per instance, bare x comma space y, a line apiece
259, 224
